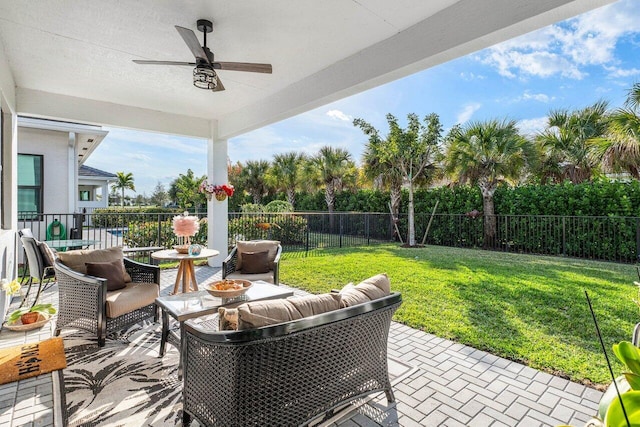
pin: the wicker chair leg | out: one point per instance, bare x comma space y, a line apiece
101, 341
389, 393
156, 313
186, 418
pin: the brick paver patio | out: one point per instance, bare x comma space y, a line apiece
449, 384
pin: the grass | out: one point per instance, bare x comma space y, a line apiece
531, 309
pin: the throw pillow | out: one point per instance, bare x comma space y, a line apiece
255, 262
112, 271
265, 313
77, 259
270, 246
48, 254
372, 288
228, 318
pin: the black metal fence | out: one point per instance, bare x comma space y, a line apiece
607, 238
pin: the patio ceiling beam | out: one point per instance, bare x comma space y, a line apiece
68, 108
465, 27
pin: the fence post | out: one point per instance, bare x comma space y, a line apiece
367, 218
341, 217
638, 239
307, 239
564, 236
159, 230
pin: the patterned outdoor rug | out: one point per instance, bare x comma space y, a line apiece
122, 383
125, 383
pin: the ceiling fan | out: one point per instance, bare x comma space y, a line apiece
204, 76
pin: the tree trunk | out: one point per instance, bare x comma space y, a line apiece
330, 198
122, 199
395, 195
412, 222
291, 196
487, 190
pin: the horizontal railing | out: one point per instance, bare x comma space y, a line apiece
607, 238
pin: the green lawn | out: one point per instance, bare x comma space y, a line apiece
530, 309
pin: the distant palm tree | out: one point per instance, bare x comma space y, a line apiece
286, 173
253, 177
619, 149
566, 145
124, 182
331, 167
185, 190
486, 154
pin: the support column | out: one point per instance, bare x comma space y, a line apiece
72, 161
217, 212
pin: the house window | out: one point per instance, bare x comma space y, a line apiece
85, 195
30, 174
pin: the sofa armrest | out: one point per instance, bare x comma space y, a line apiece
276, 266
142, 273
229, 264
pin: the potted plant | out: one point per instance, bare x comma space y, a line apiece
7, 289
31, 315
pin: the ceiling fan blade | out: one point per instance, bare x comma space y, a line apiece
141, 61
191, 40
243, 66
219, 86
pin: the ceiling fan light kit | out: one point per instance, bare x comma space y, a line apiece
204, 76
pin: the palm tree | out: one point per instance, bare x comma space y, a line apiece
286, 173
486, 154
124, 182
409, 153
253, 177
619, 149
566, 144
331, 167
185, 190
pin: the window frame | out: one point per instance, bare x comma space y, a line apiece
40, 198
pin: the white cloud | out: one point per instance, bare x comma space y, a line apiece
467, 112
530, 127
541, 97
616, 72
339, 115
470, 76
566, 48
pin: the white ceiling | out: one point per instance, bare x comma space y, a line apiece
320, 51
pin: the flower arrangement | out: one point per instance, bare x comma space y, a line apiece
185, 226
220, 192
10, 287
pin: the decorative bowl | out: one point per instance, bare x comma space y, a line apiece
181, 249
229, 293
19, 326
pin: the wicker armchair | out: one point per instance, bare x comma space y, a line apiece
230, 264
83, 300
287, 374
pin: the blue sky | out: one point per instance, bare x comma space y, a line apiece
567, 65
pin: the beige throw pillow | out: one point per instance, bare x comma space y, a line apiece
271, 246
228, 318
372, 288
264, 313
77, 259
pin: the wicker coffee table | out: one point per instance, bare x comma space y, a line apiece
182, 307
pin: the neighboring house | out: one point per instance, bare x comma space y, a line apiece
93, 188
51, 176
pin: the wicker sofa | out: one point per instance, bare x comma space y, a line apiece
85, 302
289, 373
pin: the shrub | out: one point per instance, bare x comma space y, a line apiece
288, 229
278, 206
154, 233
